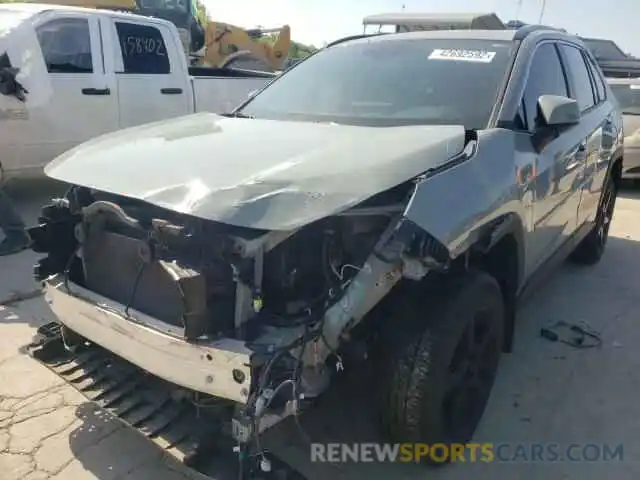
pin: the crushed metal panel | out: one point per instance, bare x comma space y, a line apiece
453, 204
306, 173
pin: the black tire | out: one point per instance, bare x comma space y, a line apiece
590, 250
424, 343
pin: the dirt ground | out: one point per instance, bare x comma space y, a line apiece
545, 393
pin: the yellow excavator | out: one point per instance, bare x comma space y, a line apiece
227, 44
206, 43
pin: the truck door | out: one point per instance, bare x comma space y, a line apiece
554, 165
76, 101
153, 83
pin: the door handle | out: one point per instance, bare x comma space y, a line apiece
96, 91
171, 91
578, 159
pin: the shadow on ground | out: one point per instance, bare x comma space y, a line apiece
545, 392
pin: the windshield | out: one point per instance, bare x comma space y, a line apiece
604, 49
9, 19
389, 83
628, 96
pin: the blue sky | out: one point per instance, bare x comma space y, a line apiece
318, 21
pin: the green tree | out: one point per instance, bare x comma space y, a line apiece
201, 13
296, 50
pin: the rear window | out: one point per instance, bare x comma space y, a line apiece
628, 96
9, 19
391, 82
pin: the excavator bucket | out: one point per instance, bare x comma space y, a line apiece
280, 49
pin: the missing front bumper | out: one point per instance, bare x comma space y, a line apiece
219, 368
150, 406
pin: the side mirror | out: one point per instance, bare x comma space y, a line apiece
558, 111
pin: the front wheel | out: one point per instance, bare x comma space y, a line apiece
439, 360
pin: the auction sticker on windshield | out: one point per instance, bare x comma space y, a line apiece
459, 55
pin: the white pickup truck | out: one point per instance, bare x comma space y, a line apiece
70, 74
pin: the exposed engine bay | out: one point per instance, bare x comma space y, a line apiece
290, 298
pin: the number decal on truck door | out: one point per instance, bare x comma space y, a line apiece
143, 49
144, 46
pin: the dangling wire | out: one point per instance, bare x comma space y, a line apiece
141, 269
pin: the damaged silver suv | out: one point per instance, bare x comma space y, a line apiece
400, 192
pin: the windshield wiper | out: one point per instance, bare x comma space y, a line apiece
236, 115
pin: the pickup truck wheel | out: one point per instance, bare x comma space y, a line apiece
439, 360
590, 250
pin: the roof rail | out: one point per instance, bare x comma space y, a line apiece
354, 37
525, 30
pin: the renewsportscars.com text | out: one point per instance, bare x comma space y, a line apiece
470, 452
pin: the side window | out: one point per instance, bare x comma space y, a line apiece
581, 80
546, 77
601, 90
143, 49
66, 45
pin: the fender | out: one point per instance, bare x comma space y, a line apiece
472, 199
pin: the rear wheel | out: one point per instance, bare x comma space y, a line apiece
438, 363
591, 249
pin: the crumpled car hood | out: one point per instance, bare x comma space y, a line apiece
262, 174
